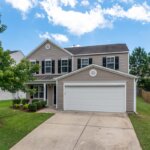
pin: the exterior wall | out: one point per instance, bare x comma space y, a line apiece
53, 53
98, 60
5, 95
102, 76
17, 56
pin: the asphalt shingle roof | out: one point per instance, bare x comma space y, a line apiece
98, 49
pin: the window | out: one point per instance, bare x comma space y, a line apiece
48, 66
64, 65
84, 62
110, 62
33, 62
39, 91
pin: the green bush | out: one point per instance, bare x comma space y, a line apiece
32, 107
16, 106
25, 101
43, 103
35, 100
25, 106
16, 101
39, 104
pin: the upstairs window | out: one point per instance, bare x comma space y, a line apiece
110, 62
64, 65
83, 62
33, 62
48, 66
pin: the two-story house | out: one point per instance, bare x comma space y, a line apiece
90, 78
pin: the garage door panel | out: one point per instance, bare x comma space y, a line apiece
95, 98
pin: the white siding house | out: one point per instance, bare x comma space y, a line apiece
5, 95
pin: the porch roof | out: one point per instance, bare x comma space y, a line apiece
44, 79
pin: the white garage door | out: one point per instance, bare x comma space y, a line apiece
104, 98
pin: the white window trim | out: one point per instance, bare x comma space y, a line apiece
82, 59
65, 66
110, 57
33, 60
46, 66
38, 92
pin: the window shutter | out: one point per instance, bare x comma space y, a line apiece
90, 61
37, 62
104, 61
59, 66
116, 63
79, 63
43, 67
31, 95
53, 66
70, 65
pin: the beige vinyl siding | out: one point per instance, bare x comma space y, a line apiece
102, 76
53, 53
98, 60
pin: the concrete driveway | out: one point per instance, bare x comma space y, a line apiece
82, 131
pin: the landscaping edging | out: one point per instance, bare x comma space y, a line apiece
146, 95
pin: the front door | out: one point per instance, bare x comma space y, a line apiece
54, 94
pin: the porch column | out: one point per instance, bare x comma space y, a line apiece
44, 91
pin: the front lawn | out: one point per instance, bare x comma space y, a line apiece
141, 123
15, 124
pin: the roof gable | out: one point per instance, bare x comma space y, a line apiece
43, 43
97, 67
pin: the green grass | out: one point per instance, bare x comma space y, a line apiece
141, 123
15, 124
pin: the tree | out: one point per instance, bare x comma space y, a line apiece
139, 63
13, 77
2, 26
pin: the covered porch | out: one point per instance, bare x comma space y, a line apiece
45, 90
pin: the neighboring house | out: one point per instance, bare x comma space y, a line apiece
5, 95
90, 78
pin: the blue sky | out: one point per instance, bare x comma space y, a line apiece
75, 22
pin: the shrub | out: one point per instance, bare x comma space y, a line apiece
16, 101
25, 101
32, 107
43, 103
39, 104
16, 106
25, 106
35, 100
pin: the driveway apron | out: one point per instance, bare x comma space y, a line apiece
82, 131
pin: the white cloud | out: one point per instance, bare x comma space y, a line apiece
138, 12
22, 5
57, 37
45, 35
60, 37
39, 15
127, 1
85, 3
76, 22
